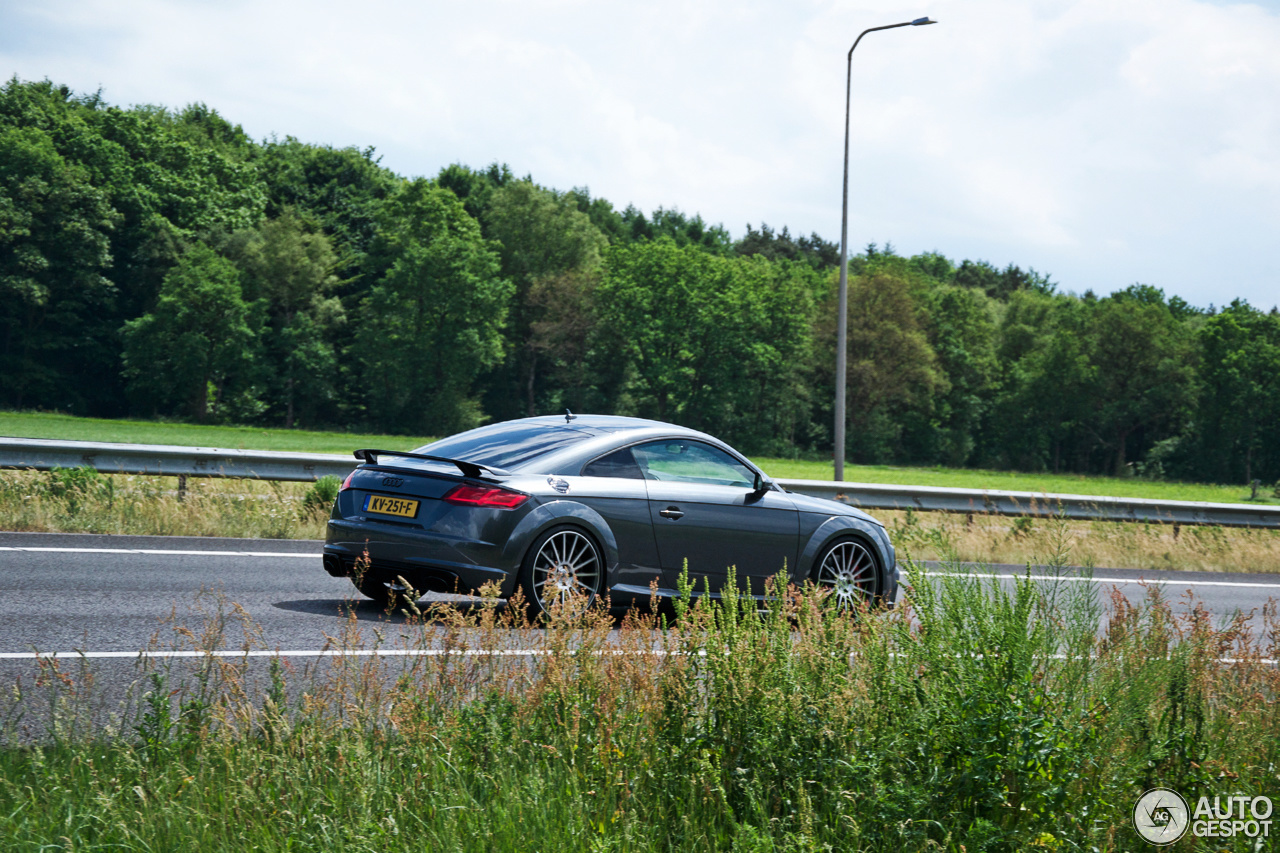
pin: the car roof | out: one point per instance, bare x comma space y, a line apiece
604, 423
597, 433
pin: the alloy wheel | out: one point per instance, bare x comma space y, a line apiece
848, 575
566, 571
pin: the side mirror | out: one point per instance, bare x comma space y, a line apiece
761, 484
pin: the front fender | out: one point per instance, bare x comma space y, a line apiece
549, 515
838, 526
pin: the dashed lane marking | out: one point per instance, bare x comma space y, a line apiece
1077, 579
162, 553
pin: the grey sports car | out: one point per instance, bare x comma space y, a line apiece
571, 508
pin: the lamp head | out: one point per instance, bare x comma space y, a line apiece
920, 22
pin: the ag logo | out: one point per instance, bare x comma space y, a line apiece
1161, 816
392, 482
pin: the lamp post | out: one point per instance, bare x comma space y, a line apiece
842, 320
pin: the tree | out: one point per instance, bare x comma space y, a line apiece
190, 351
998, 284
1239, 407
55, 231
601, 213
892, 371
768, 381
475, 188
711, 342
289, 270
561, 336
1145, 375
162, 180
433, 322
1039, 415
962, 333
677, 227
813, 250
541, 235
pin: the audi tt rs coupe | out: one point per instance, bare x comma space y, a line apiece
573, 508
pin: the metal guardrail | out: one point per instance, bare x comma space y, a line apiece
172, 461
993, 502
185, 462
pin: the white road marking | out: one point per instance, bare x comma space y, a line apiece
285, 653
1077, 579
163, 553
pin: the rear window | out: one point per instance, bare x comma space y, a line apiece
505, 445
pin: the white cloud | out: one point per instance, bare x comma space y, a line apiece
1105, 142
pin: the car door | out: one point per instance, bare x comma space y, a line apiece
613, 486
705, 510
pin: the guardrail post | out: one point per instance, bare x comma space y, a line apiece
182, 487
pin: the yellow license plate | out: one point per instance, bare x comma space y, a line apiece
391, 506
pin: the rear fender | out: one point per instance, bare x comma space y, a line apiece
549, 515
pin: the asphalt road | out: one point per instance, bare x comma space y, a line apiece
100, 595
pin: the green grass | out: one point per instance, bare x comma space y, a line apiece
53, 426
1016, 481
981, 718
81, 500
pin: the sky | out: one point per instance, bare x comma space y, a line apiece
1103, 143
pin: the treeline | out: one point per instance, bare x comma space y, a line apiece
162, 263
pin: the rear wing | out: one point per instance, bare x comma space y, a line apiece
468, 469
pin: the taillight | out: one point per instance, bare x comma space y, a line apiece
346, 484
484, 496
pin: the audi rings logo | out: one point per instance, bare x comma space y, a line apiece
392, 482
1161, 816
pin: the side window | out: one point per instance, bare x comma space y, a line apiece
619, 463
684, 461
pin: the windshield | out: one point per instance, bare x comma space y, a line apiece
507, 445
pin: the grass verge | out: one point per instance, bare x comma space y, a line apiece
980, 538
80, 500
70, 428
83, 501
1018, 481
975, 718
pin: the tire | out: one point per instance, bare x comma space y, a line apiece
848, 572
565, 566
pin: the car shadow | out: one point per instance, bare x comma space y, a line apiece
341, 608
368, 611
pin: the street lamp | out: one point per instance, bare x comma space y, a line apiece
842, 320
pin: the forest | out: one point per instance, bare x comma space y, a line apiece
160, 263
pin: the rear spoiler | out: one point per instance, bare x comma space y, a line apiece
468, 469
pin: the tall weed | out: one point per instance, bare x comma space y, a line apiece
975, 717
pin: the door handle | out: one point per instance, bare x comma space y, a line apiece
671, 512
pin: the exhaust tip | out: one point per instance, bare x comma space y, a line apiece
333, 565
